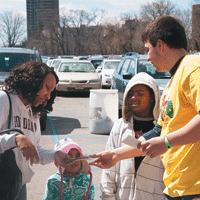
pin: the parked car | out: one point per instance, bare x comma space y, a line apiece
11, 57
131, 64
77, 75
56, 62
106, 70
96, 60
49, 61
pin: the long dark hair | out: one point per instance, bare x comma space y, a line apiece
27, 79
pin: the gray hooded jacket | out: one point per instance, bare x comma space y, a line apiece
121, 181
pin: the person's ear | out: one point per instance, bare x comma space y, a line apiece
160, 45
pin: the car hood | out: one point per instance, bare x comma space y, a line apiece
108, 71
3, 76
162, 83
77, 76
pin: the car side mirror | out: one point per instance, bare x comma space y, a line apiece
98, 70
127, 76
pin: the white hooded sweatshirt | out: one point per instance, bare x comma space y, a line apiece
21, 118
121, 182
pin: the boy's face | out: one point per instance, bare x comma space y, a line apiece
75, 166
154, 54
140, 101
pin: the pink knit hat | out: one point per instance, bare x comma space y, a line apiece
65, 146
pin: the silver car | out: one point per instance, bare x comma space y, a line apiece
77, 75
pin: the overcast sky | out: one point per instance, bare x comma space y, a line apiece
113, 7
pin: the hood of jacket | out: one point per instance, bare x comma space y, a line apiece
145, 79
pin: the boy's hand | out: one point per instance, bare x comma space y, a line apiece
105, 159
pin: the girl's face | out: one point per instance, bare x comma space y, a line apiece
75, 166
44, 93
140, 101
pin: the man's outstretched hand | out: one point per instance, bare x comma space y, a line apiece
153, 147
105, 159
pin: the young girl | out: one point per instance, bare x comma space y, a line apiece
71, 182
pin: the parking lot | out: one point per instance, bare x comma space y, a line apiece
70, 118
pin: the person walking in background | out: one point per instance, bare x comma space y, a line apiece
71, 182
31, 88
140, 177
179, 122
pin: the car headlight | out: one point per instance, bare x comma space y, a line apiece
94, 81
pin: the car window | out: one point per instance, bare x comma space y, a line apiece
125, 66
55, 63
10, 60
119, 66
96, 63
111, 65
146, 66
76, 67
131, 68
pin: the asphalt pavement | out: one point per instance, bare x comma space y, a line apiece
70, 118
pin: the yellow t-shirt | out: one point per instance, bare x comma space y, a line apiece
180, 102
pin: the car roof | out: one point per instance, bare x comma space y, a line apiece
142, 56
17, 50
111, 60
74, 60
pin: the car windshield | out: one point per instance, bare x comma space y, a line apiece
10, 60
76, 67
111, 65
96, 63
55, 63
146, 66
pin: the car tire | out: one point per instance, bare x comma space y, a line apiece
120, 113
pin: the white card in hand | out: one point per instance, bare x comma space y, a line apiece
131, 141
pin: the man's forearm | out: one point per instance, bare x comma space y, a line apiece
126, 152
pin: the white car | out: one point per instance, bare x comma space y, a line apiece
106, 70
56, 62
77, 75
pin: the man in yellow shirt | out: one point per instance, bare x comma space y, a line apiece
176, 137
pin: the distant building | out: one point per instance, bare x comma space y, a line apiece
196, 27
40, 13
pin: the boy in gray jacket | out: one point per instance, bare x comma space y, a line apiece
141, 177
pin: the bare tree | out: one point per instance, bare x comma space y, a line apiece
12, 28
151, 11
77, 21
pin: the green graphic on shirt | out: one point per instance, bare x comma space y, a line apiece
167, 109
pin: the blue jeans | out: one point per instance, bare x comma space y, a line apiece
22, 195
188, 197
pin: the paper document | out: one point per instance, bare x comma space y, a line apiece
81, 158
131, 141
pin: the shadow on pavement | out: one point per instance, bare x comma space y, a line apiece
62, 125
74, 94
